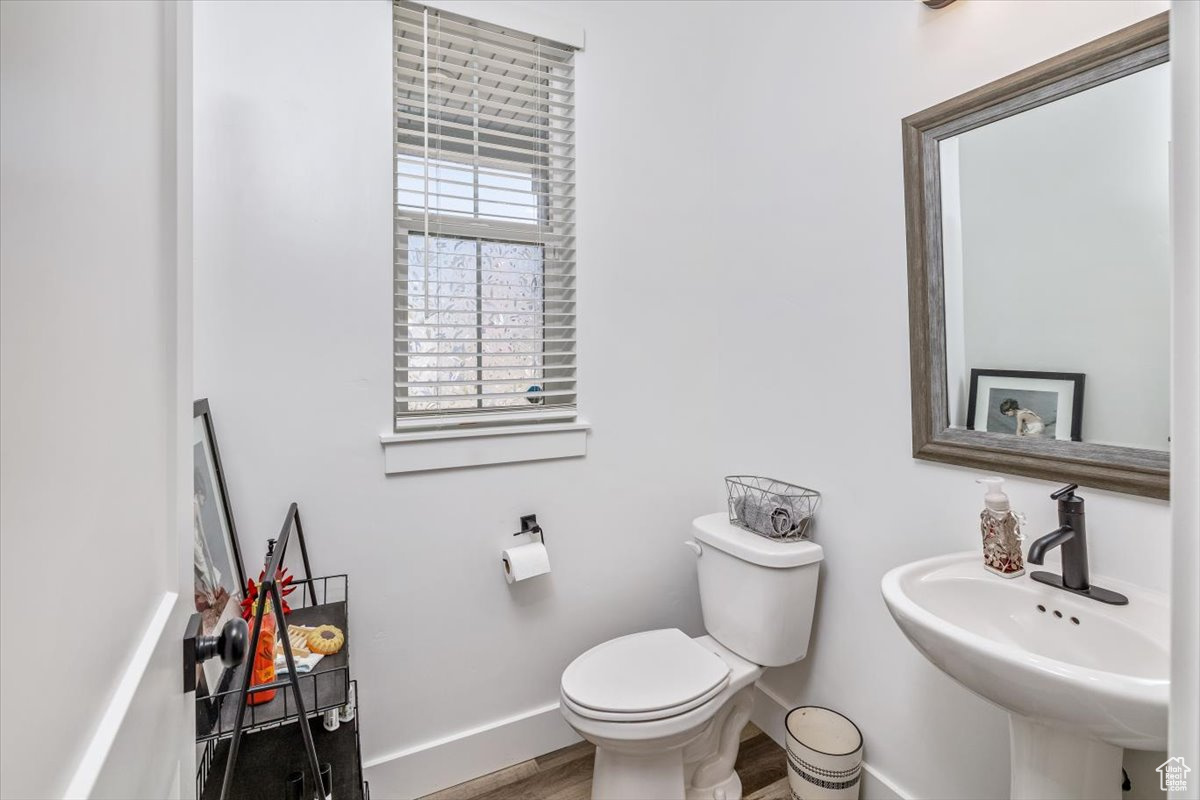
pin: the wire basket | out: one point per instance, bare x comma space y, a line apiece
771, 508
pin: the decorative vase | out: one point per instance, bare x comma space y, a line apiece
263, 669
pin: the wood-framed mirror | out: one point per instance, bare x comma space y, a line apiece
1039, 269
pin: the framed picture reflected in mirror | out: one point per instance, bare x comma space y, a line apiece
1035, 405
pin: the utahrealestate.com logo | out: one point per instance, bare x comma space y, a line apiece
1172, 775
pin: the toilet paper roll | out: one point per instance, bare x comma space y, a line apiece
525, 561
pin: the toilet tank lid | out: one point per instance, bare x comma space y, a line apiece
716, 530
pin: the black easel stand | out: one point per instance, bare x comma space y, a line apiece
274, 558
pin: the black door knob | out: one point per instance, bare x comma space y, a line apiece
231, 645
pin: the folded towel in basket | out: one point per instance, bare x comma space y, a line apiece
777, 516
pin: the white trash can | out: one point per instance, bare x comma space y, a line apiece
824, 754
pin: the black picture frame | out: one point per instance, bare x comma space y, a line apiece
1074, 378
201, 410
210, 477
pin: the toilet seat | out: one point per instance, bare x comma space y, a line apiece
644, 676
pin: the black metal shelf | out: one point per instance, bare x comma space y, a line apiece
267, 757
253, 748
326, 687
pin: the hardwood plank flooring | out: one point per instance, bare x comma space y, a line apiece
760, 763
779, 790
566, 774
486, 783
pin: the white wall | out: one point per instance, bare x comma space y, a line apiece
1066, 250
293, 349
826, 318
90, 405
784, 351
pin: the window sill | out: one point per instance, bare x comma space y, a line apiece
448, 448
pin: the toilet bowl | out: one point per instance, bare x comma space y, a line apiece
660, 738
666, 711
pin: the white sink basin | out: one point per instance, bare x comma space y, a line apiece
1077, 692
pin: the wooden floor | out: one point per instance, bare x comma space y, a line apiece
567, 775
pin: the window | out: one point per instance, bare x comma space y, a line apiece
484, 221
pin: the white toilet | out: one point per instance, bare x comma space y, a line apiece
666, 711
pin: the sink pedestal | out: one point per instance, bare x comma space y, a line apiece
1053, 764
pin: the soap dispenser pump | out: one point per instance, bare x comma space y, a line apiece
1001, 530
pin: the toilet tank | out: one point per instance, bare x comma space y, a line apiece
757, 594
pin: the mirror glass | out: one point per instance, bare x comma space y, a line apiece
1056, 252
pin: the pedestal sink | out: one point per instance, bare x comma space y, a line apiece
1080, 679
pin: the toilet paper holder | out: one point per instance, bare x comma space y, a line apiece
529, 524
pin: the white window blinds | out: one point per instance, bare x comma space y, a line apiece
484, 220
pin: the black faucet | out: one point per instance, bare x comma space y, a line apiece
1071, 536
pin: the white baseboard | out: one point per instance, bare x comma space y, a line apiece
769, 711
876, 786
468, 754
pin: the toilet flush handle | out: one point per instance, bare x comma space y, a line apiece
695, 547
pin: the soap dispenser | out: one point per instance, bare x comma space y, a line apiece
1001, 530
